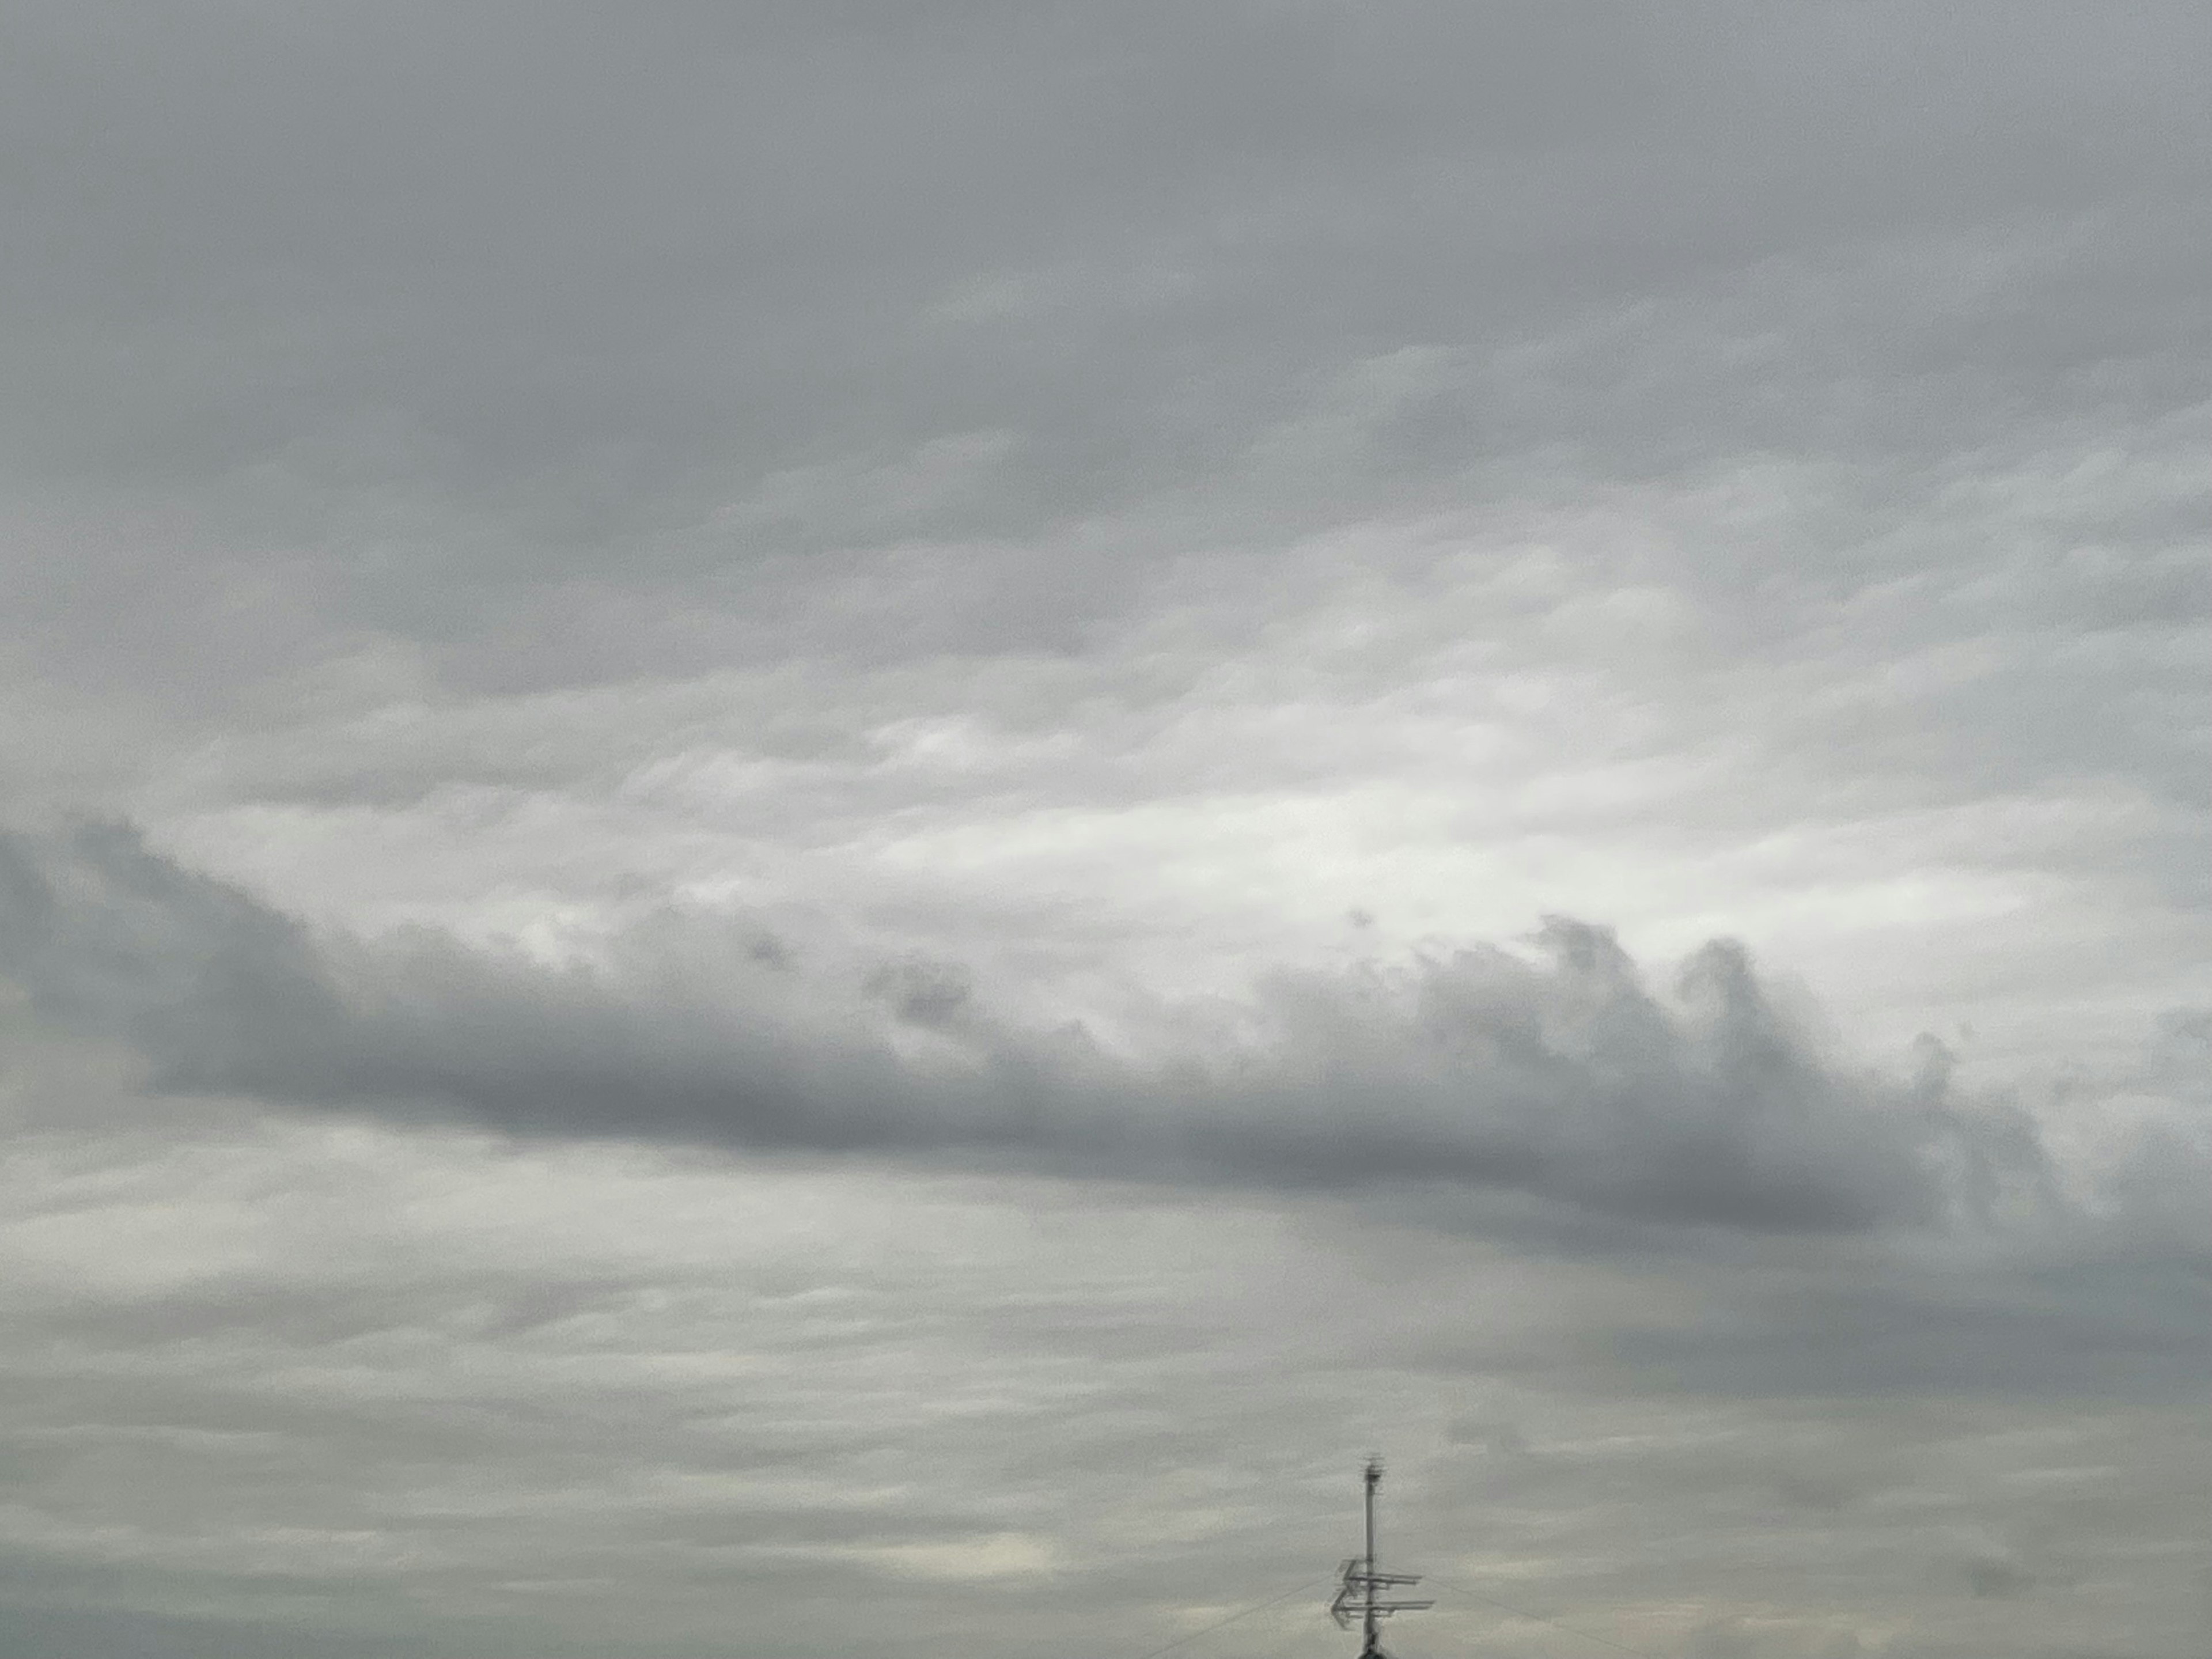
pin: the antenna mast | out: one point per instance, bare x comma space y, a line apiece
1365, 1593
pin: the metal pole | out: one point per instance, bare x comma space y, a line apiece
1372, 1625
1367, 1592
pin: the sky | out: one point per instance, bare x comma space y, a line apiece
826, 830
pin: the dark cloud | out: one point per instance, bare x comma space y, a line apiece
440, 308
1997, 1575
1562, 1076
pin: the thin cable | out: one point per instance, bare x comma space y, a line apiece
1183, 1641
1522, 1612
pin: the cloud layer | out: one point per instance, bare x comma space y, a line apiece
799, 722
1559, 1074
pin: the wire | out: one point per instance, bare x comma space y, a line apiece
1522, 1613
1183, 1641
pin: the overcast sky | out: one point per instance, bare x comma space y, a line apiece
828, 828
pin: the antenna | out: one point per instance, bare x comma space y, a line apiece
1364, 1593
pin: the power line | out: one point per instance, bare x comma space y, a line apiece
1183, 1641
1522, 1613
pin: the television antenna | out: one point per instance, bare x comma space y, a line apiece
1365, 1594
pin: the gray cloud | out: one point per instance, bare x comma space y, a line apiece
766, 646
448, 312
1995, 1575
1563, 1077
547, 1398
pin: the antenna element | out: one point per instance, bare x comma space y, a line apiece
1365, 1593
